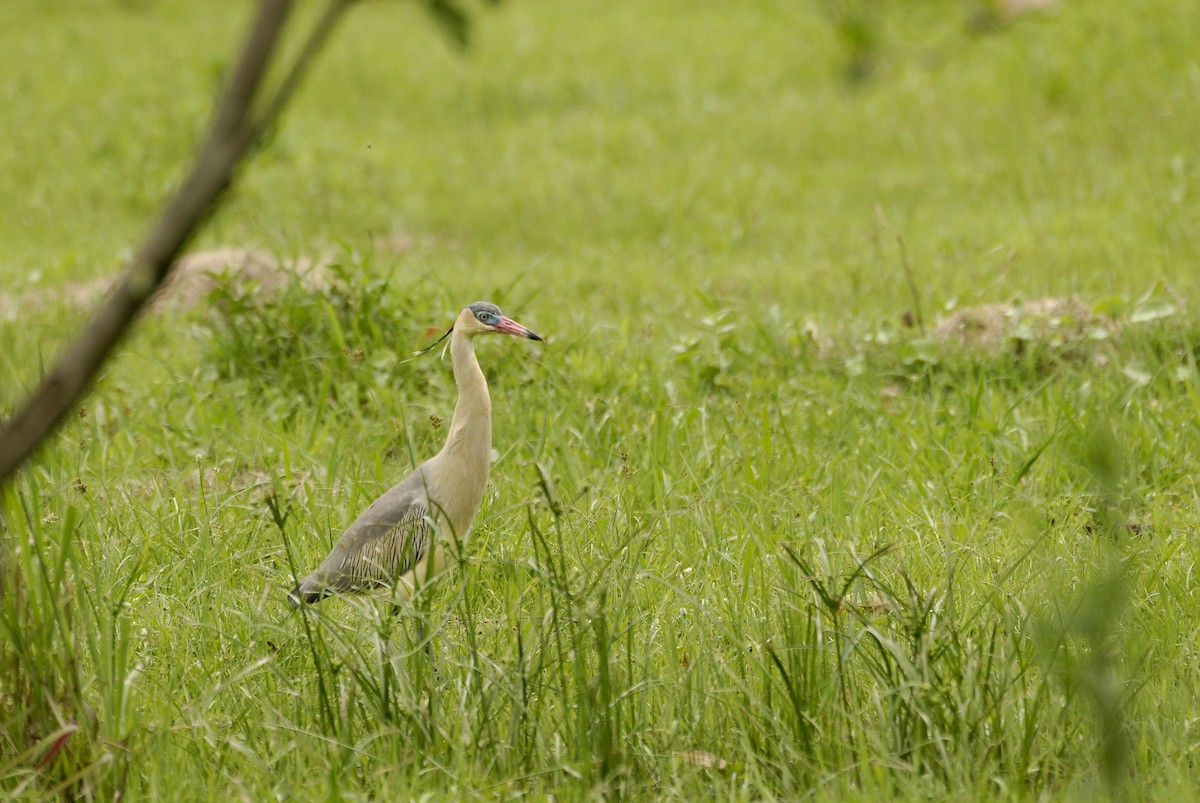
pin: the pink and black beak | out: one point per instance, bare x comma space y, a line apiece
508, 326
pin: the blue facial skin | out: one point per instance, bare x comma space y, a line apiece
485, 313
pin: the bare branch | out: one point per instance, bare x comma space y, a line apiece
233, 133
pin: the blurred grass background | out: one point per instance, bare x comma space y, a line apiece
749, 534
721, 144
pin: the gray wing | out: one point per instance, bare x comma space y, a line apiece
384, 542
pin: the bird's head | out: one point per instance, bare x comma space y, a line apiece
482, 318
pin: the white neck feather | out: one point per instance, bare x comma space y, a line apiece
463, 463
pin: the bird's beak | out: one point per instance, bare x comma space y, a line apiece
510, 327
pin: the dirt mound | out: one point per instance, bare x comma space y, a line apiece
1048, 319
196, 275
193, 278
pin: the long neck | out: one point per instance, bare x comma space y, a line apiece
470, 437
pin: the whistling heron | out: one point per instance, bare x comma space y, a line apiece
394, 542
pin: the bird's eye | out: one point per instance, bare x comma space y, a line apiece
486, 317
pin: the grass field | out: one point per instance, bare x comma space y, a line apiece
758, 526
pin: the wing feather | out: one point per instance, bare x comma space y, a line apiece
387, 540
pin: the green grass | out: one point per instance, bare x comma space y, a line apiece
747, 535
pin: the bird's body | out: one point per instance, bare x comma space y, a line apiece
395, 541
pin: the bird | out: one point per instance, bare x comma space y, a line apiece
394, 542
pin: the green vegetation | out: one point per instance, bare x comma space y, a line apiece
751, 532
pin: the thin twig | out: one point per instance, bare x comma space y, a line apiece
908, 274
234, 132
312, 46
